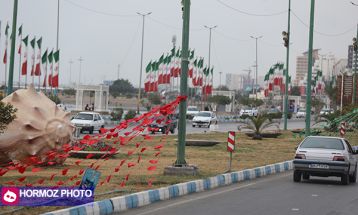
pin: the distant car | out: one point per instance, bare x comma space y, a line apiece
192, 111
301, 113
164, 126
326, 112
248, 112
204, 118
88, 121
325, 156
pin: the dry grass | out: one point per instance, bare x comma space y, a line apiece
210, 160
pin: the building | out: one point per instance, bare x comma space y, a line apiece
339, 66
346, 98
236, 81
302, 66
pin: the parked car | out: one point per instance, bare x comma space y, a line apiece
192, 111
164, 126
325, 156
301, 113
248, 112
204, 118
88, 121
326, 112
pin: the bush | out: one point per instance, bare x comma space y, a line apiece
54, 98
7, 115
130, 115
277, 115
117, 114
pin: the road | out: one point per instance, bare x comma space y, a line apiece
276, 195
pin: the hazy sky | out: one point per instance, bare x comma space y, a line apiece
108, 32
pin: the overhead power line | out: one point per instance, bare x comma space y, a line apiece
321, 33
99, 12
251, 14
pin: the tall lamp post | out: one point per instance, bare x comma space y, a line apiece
12, 52
210, 28
141, 59
309, 73
355, 50
70, 62
256, 38
79, 74
286, 38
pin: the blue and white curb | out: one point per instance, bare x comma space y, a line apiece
135, 200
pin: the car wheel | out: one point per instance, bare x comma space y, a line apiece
353, 178
91, 130
209, 124
306, 176
297, 176
172, 131
199, 126
164, 130
345, 179
153, 132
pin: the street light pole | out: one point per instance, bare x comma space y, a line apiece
12, 53
79, 74
309, 73
210, 28
70, 62
342, 88
355, 50
220, 80
119, 66
141, 60
287, 64
256, 38
183, 85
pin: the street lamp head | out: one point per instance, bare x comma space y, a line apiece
284, 33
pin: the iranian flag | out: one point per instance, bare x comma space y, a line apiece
24, 63
194, 75
4, 60
153, 77
20, 38
56, 57
44, 63
147, 77
160, 69
32, 43
201, 73
38, 58
167, 69
50, 61
191, 65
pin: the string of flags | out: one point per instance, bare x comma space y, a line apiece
274, 80
167, 69
39, 62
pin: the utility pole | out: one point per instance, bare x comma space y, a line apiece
12, 54
119, 66
141, 60
309, 74
220, 80
70, 62
287, 44
256, 38
79, 74
210, 28
183, 85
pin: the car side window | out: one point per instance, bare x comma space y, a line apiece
350, 150
99, 117
95, 117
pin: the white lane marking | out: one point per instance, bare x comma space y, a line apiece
210, 195
315, 195
295, 209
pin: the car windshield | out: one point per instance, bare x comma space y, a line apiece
302, 111
322, 143
84, 116
192, 109
205, 114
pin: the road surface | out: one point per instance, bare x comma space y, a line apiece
276, 195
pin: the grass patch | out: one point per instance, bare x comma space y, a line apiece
210, 161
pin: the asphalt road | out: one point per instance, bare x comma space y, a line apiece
276, 195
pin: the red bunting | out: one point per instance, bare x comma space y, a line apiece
81, 172
52, 176
122, 162
139, 158
78, 162
152, 168
108, 178
153, 161
10, 183
137, 145
130, 153
158, 146
59, 183
127, 177
156, 154
116, 169
89, 156
87, 137
21, 169
76, 148
130, 164
143, 149
123, 184
22, 179
36, 169
78, 183
64, 171
41, 181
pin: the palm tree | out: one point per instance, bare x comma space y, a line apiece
258, 124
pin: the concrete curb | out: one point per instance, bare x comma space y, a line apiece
135, 200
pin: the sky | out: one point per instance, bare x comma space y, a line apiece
107, 33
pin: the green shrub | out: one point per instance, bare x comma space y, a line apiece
117, 114
130, 115
7, 115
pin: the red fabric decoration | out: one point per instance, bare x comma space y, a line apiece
22, 179
130, 164
64, 171
152, 168
36, 169
52, 176
153, 161
158, 146
40, 181
89, 156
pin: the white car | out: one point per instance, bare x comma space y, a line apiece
192, 111
204, 118
88, 121
326, 112
325, 156
248, 112
301, 113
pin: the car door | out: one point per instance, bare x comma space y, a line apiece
96, 122
101, 121
352, 158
